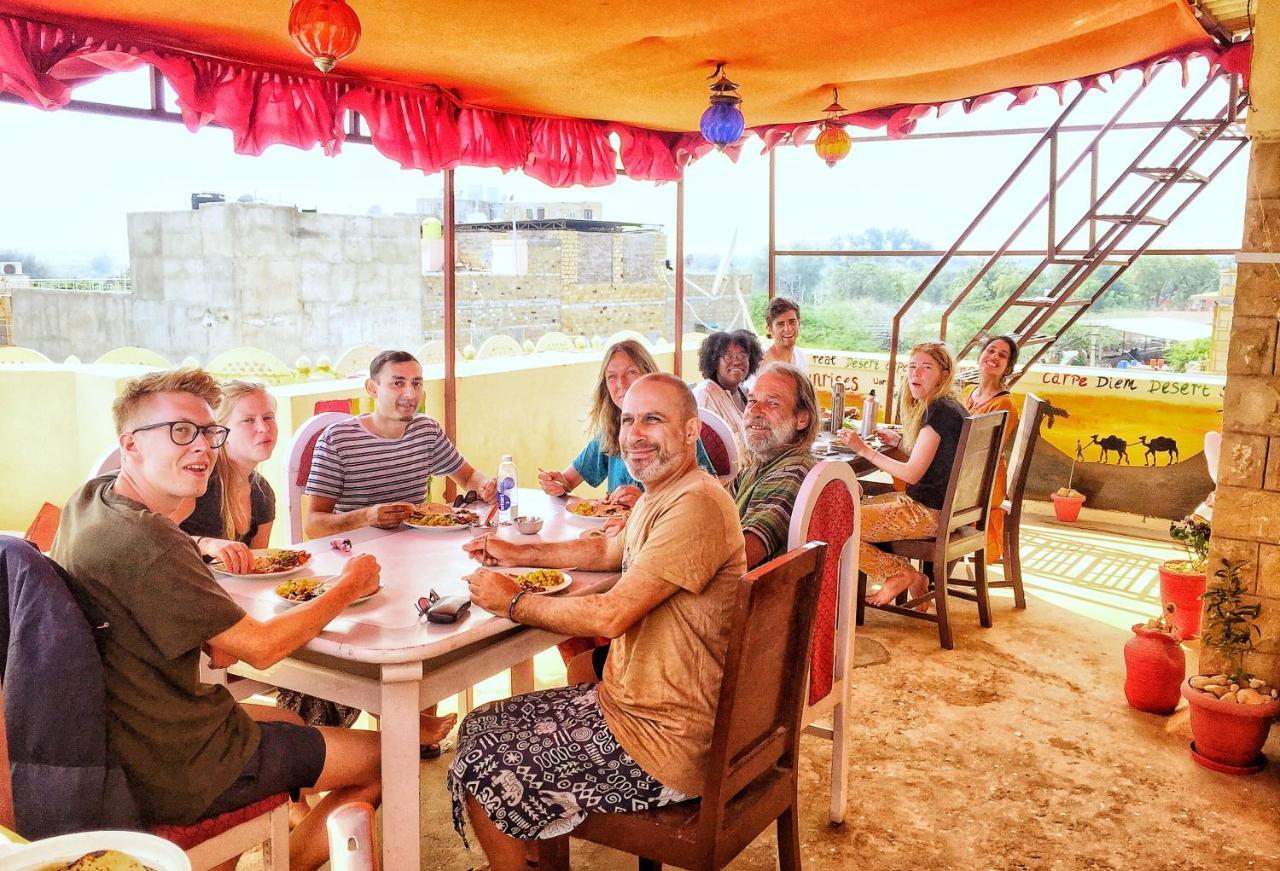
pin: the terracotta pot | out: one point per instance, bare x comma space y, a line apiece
1067, 508
1183, 589
1155, 667
1229, 736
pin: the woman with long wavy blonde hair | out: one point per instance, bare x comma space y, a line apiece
922, 456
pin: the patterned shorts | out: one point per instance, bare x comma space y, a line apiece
539, 763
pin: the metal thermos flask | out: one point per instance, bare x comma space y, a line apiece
870, 410
837, 407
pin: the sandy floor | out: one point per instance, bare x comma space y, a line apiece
1015, 750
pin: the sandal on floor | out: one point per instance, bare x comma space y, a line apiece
434, 751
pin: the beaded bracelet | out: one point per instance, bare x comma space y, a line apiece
511, 609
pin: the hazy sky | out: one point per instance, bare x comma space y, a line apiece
70, 178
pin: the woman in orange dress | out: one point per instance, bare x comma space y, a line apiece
995, 365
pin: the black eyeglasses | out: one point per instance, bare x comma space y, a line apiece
184, 432
423, 605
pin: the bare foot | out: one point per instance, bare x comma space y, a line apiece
433, 730
895, 584
918, 588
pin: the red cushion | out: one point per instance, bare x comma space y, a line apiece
200, 831
832, 522
716, 451
304, 467
44, 527
342, 405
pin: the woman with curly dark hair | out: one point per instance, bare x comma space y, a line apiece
727, 360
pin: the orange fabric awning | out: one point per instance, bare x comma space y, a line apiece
644, 64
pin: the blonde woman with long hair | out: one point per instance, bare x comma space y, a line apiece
236, 512
925, 451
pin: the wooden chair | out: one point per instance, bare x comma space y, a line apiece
718, 442
752, 777
962, 528
210, 842
827, 509
301, 447
1024, 444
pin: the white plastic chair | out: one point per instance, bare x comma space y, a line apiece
1212, 455
301, 447
724, 433
829, 490
108, 461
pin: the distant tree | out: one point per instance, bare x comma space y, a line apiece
31, 265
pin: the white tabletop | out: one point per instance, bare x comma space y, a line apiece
387, 628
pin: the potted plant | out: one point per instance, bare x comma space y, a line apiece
1183, 581
1231, 712
1067, 501
1155, 664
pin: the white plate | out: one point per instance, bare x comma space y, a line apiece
325, 589
437, 529
262, 551
154, 852
569, 515
514, 572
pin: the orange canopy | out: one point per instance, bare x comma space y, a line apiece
644, 63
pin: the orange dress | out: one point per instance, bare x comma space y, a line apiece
995, 524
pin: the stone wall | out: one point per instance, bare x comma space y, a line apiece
1246, 516
234, 274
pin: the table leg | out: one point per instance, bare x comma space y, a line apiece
401, 811
522, 678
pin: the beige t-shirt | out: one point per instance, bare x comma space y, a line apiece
662, 679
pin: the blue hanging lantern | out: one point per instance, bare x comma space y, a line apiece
722, 123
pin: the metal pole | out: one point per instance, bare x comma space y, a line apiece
773, 247
1053, 195
678, 344
450, 322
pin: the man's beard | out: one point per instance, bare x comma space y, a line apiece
766, 448
661, 464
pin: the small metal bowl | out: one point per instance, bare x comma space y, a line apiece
528, 525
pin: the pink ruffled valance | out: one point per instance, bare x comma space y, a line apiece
421, 128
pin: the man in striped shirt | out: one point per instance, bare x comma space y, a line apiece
373, 469
780, 423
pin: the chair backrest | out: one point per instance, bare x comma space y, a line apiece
342, 406
1212, 452
108, 461
44, 527
718, 442
973, 473
757, 727
1024, 446
301, 447
827, 509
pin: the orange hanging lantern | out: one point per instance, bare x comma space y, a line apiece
324, 30
833, 142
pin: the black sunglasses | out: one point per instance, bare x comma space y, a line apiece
423, 605
465, 498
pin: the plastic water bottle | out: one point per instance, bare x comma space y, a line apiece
507, 510
870, 410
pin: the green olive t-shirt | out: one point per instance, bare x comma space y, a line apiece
181, 743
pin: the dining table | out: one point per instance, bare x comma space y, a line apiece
823, 449
381, 656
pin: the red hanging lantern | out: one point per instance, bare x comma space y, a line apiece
833, 142
324, 30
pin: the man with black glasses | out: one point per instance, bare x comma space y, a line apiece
188, 750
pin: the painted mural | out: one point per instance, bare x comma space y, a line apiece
1130, 440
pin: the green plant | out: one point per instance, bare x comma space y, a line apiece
1192, 532
1229, 628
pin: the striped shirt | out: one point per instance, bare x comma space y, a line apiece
766, 495
356, 468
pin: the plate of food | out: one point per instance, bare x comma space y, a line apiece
442, 521
539, 580
97, 850
595, 510
268, 562
298, 590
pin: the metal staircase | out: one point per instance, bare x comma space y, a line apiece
1126, 211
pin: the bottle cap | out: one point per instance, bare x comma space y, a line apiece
506, 458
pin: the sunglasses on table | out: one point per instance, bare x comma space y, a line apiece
465, 498
184, 432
